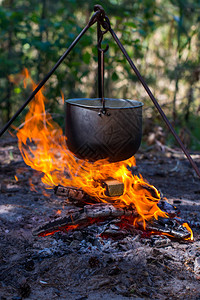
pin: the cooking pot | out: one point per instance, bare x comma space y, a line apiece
112, 132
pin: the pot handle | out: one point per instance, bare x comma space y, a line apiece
101, 53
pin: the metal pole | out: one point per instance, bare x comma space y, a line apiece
141, 79
40, 85
99, 61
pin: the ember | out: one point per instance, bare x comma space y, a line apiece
43, 147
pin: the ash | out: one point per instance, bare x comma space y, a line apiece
100, 260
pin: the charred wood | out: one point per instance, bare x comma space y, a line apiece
83, 217
113, 188
71, 193
168, 226
168, 208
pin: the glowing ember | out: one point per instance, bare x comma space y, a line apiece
16, 178
64, 229
43, 147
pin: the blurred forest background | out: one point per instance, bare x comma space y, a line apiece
161, 36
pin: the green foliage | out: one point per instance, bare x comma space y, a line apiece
160, 36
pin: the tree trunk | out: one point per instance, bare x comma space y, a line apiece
189, 102
174, 114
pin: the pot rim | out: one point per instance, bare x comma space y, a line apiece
132, 103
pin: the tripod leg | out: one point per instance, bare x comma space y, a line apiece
141, 79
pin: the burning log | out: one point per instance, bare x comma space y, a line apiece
163, 226
82, 217
71, 193
100, 212
113, 188
171, 210
104, 210
169, 227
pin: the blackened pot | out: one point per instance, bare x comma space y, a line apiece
93, 135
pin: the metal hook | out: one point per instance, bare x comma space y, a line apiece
102, 18
102, 82
101, 34
98, 7
101, 52
102, 21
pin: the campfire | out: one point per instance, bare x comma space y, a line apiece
86, 165
96, 227
103, 190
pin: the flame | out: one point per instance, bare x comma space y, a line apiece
32, 186
63, 97
191, 238
43, 148
16, 178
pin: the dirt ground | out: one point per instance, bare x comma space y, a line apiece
79, 266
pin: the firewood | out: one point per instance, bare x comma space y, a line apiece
168, 226
113, 187
71, 193
82, 216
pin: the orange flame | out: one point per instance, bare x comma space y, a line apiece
16, 178
63, 228
43, 147
190, 230
63, 97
